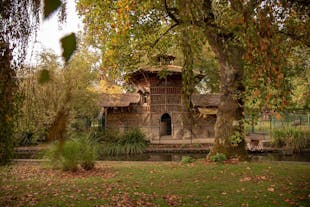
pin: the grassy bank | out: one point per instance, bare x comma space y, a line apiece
158, 184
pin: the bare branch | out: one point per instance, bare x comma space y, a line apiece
163, 34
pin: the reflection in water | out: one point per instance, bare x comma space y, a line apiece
270, 156
275, 156
155, 157
279, 156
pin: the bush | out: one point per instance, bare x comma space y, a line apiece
88, 153
73, 152
70, 153
293, 138
111, 136
96, 135
53, 154
187, 159
299, 140
130, 142
219, 157
278, 138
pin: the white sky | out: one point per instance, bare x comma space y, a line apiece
49, 33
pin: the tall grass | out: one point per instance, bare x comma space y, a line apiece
295, 139
88, 152
72, 153
130, 142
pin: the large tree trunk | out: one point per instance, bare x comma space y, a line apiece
8, 89
229, 128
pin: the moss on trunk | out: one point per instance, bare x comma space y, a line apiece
230, 116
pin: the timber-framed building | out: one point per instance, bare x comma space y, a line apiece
158, 108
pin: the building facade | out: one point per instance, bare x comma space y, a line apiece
158, 108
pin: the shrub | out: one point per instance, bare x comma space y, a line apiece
96, 134
130, 142
111, 136
293, 138
298, 140
278, 138
72, 153
187, 159
88, 153
133, 136
219, 157
53, 154
236, 138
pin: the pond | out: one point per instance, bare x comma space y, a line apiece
177, 156
270, 156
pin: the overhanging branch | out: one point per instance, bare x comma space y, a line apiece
170, 14
163, 34
301, 39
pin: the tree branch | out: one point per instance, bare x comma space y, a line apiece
171, 15
163, 34
301, 39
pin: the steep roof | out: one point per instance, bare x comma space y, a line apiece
174, 69
205, 100
118, 100
170, 68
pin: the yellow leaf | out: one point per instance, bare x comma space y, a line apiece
278, 116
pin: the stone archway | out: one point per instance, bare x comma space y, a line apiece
165, 125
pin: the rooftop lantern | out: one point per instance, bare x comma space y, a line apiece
163, 59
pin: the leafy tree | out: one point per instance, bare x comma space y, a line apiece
250, 39
108, 87
18, 20
67, 95
300, 61
15, 27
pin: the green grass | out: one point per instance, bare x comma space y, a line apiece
158, 184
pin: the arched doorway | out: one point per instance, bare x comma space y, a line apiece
165, 125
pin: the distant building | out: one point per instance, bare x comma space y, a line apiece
158, 108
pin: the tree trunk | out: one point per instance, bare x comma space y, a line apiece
8, 89
229, 128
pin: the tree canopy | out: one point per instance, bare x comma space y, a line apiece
253, 42
19, 19
69, 90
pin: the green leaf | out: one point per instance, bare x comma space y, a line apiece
50, 6
44, 76
68, 44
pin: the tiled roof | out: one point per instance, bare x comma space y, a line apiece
118, 100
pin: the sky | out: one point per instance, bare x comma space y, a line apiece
49, 33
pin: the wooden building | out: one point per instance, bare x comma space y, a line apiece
158, 108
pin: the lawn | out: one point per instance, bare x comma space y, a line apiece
158, 184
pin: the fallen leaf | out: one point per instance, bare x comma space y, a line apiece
245, 179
